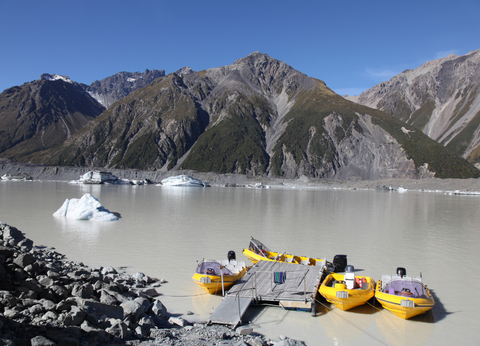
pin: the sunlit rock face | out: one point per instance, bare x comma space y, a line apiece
440, 98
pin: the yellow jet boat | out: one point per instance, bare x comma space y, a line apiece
216, 276
403, 295
347, 291
258, 252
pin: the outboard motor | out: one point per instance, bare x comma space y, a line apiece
349, 269
401, 272
339, 263
231, 255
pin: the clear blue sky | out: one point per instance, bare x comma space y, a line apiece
350, 45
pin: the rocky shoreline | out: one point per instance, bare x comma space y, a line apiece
55, 173
46, 299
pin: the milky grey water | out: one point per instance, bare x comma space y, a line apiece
163, 231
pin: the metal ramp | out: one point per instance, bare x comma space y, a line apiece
298, 291
230, 310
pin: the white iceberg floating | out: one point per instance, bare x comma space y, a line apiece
85, 208
258, 186
19, 176
98, 177
183, 180
104, 177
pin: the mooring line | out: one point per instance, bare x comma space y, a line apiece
353, 324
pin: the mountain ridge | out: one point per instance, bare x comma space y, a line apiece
258, 117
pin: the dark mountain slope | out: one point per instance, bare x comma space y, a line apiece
150, 128
42, 114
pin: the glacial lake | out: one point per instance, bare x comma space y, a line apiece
165, 230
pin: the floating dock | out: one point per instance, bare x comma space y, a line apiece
288, 285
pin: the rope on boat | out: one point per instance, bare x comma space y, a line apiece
373, 306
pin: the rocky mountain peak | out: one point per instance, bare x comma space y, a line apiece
113, 88
184, 70
260, 73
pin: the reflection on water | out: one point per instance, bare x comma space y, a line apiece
88, 231
165, 230
396, 331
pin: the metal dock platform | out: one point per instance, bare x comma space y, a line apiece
261, 285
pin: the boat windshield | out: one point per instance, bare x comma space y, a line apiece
258, 247
407, 288
212, 268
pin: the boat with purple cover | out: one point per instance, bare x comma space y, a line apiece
403, 295
216, 276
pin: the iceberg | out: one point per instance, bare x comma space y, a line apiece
104, 177
183, 180
19, 176
85, 208
98, 177
257, 186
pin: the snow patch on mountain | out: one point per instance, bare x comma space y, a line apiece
54, 77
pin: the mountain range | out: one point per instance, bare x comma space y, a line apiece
440, 98
257, 116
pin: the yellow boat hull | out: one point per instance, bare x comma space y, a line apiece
347, 298
394, 304
280, 257
213, 283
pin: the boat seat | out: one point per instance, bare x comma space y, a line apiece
289, 259
350, 280
305, 262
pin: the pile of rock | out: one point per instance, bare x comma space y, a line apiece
43, 294
48, 300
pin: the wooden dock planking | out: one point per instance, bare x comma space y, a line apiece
301, 282
298, 291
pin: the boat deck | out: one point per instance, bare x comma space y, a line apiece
261, 284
